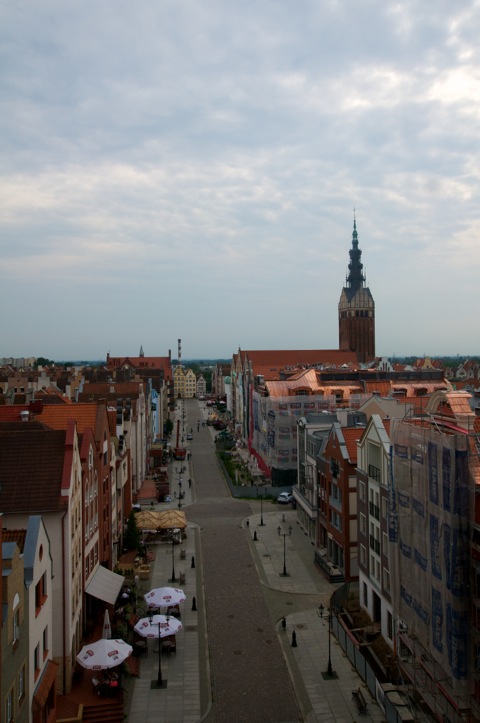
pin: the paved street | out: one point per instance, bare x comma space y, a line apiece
234, 661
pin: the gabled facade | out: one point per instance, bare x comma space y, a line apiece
201, 386
372, 510
312, 433
337, 505
41, 474
14, 638
92, 416
38, 568
185, 383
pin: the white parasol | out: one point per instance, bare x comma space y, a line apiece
162, 597
160, 626
107, 628
104, 653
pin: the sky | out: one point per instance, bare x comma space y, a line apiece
190, 169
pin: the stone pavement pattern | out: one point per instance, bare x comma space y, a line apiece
234, 662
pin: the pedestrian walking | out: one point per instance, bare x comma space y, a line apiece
284, 624
294, 639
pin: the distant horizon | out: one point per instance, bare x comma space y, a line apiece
209, 360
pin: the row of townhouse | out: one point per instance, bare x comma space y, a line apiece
187, 384
395, 505
71, 469
271, 390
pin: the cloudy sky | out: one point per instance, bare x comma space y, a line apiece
189, 169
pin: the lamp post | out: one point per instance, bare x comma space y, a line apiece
262, 524
285, 573
329, 673
159, 676
173, 561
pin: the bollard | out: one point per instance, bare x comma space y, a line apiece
193, 562
284, 624
194, 604
294, 639
255, 538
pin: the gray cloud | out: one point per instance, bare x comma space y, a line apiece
166, 164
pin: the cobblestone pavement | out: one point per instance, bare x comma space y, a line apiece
250, 679
235, 661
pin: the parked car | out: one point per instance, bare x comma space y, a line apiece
285, 498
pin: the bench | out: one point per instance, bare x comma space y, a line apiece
359, 699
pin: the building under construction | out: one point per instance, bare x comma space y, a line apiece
433, 557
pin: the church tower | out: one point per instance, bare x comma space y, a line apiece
356, 308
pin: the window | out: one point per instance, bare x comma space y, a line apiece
385, 544
45, 642
389, 625
384, 507
16, 626
9, 707
386, 580
36, 661
363, 555
361, 491
363, 523
21, 683
365, 594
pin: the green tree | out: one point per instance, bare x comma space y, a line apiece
132, 538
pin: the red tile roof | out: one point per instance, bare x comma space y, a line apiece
269, 363
17, 536
11, 412
32, 464
351, 436
57, 416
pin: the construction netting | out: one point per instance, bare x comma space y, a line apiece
430, 519
274, 424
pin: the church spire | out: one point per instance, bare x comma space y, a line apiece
356, 277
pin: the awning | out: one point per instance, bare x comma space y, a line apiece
44, 686
165, 520
105, 585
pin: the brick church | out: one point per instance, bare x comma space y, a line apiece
356, 309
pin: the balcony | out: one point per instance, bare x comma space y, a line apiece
374, 473
374, 510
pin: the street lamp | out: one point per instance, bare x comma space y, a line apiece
173, 561
151, 613
262, 524
285, 573
329, 673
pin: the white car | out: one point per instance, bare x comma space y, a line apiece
284, 498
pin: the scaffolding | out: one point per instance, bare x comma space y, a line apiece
431, 516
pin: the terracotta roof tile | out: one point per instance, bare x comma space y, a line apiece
57, 416
31, 461
11, 412
17, 536
269, 363
351, 436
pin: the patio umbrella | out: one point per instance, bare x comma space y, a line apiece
104, 653
160, 626
107, 628
164, 597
